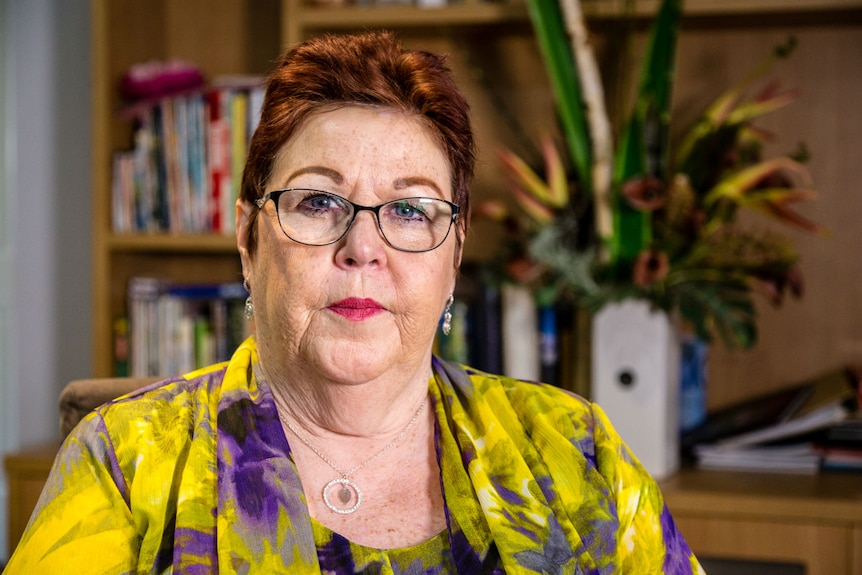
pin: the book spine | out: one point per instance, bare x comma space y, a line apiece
549, 356
175, 328
520, 333
486, 340
239, 110
218, 136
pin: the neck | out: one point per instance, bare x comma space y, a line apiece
376, 409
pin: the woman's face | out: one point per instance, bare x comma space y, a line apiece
356, 309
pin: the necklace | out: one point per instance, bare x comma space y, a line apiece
349, 491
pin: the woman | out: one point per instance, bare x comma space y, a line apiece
333, 441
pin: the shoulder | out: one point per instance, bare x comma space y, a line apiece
170, 401
156, 422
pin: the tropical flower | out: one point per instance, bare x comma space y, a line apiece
645, 222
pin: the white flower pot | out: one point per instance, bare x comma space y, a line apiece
635, 379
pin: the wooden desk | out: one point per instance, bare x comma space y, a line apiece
813, 520
26, 473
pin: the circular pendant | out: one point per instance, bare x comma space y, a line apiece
347, 491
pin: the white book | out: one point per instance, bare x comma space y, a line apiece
521, 341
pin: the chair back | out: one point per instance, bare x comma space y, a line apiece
82, 396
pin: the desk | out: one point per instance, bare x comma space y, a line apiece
813, 520
26, 473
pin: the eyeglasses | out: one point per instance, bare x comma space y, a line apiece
316, 218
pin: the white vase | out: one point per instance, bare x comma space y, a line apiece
635, 379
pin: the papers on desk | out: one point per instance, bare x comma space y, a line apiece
820, 418
798, 435
797, 458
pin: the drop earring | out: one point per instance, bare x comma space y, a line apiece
447, 315
249, 304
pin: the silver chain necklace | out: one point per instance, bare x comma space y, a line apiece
349, 491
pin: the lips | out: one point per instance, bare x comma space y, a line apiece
355, 308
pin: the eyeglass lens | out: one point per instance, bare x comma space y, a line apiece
318, 218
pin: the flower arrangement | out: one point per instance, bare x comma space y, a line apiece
644, 222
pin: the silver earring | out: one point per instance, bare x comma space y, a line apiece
447, 315
249, 304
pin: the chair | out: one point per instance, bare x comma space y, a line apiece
82, 396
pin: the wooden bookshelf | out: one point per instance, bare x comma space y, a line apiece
496, 60
809, 520
223, 37
302, 18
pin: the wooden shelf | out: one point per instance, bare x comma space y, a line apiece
348, 17
172, 243
826, 497
222, 37
27, 472
494, 13
811, 520
725, 7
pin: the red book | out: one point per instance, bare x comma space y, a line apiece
218, 156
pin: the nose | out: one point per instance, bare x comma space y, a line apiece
363, 244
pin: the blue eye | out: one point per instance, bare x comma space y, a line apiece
407, 210
320, 202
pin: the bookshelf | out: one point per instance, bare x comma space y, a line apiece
245, 36
223, 37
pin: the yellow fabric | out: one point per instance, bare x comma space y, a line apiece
194, 475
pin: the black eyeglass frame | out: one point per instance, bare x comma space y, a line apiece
275, 194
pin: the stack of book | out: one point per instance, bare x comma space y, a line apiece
183, 171
176, 328
802, 429
501, 329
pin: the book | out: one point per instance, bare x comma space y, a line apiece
520, 330
218, 156
772, 413
183, 170
824, 416
779, 432
549, 342
840, 459
239, 118
485, 333
176, 328
794, 458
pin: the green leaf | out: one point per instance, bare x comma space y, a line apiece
554, 44
644, 145
722, 308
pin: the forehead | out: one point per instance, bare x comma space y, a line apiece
363, 142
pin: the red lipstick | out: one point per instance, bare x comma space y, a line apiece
356, 309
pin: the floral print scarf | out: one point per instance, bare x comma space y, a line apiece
194, 475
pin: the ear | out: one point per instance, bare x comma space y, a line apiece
459, 252
244, 221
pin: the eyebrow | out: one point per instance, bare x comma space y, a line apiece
402, 183
336, 177
320, 170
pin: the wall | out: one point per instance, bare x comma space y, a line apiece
821, 331
45, 218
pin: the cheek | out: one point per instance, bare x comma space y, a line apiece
423, 289
287, 284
